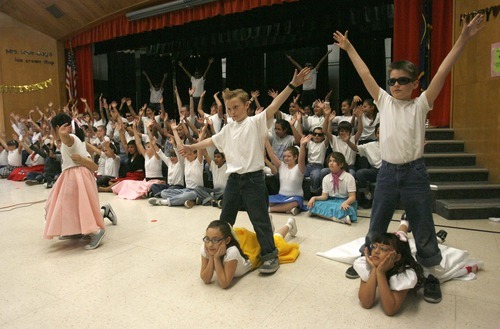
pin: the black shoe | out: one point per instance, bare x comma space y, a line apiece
432, 290
441, 236
351, 273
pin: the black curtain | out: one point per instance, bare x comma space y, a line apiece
372, 51
245, 70
121, 77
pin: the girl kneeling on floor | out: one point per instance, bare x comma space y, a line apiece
338, 200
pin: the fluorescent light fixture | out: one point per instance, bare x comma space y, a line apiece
165, 8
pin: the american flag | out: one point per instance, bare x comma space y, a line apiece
71, 75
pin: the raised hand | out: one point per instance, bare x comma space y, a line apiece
470, 30
273, 93
341, 40
299, 78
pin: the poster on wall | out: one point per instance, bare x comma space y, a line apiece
495, 60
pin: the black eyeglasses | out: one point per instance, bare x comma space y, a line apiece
206, 239
317, 134
401, 81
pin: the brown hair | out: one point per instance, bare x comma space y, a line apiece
228, 94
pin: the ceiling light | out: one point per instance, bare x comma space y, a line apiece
165, 8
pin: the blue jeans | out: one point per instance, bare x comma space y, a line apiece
177, 197
313, 171
207, 194
365, 176
410, 183
250, 189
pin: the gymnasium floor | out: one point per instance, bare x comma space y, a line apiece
146, 275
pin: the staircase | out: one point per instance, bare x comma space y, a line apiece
460, 189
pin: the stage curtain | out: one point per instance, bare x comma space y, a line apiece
407, 34
441, 43
85, 80
121, 26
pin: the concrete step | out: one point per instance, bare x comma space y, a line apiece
468, 208
439, 134
450, 159
457, 174
443, 146
465, 190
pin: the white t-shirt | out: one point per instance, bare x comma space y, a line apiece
111, 166
34, 160
340, 118
152, 166
78, 147
199, 85
219, 174
193, 173
232, 253
175, 170
347, 184
310, 81
243, 143
281, 144
368, 127
338, 145
14, 158
290, 180
372, 153
155, 95
4, 158
402, 127
403, 281
312, 121
316, 152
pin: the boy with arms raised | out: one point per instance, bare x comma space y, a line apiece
403, 174
242, 142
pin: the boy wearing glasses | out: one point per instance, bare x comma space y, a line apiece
403, 174
316, 151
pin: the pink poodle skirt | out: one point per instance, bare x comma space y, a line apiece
133, 189
73, 205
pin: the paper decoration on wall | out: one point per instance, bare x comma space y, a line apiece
487, 12
26, 88
495, 60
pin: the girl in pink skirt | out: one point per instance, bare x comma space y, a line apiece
72, 208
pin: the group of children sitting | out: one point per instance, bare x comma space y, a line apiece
135, 152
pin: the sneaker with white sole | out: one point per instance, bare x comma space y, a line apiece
351, 273
31, 182
292, 225
189, 204
270, 266
159, 202
95, 239
346, 220
432, 290
295, 211
109, 213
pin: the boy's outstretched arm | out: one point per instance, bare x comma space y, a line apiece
297, 80
343, 42
469, 31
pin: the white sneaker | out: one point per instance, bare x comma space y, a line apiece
347, 220
110, 213
159, 202
368, 195
189, 204
292, 225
